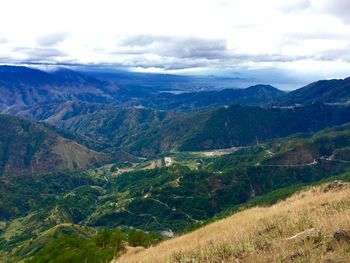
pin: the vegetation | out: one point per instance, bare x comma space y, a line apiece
21, 194
326, 91
311, 226
28, 147
189, 101
147, 132
180, 197
102, 247
235, 125
177, 196
57, 195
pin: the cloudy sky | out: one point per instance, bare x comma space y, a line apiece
306, 38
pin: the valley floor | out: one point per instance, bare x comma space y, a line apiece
311, 226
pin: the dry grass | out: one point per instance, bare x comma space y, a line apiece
272, 234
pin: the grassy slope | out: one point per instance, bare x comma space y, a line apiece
267, 234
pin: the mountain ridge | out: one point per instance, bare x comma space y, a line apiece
325, 91
23, 86
28, 147
253, 95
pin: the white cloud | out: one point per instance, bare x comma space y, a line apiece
168, 34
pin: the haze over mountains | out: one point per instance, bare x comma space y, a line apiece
258, 94
109, 117
21, 86
80, 155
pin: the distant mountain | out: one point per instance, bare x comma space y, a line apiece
142, 84
259, 94
101, 126
326, 91
22, 86
146, 132
28, 147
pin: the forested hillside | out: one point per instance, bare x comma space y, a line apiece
28, 147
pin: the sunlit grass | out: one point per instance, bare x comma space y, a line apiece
270, 234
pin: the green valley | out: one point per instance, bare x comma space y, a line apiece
180, 195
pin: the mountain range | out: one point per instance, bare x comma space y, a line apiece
90, 165
149, 131
22, 86
254, 95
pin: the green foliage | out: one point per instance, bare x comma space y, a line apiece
102, 247
235, 125
146, 132
30, 147
20, 140
139, 238
74, 249
24, 193
175, 197
326, 91
110, 238
239, 126
165, 198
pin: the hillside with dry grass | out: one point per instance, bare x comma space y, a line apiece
310, 226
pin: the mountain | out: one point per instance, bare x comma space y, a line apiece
310, 226
235, 125
146, 132
28, 147
326, 91
259, 94
22, 86
102, 126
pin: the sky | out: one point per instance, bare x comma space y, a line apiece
301, 39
